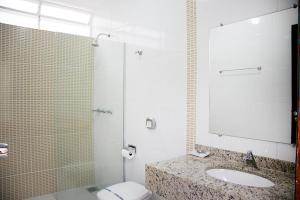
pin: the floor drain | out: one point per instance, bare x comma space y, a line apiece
92, 189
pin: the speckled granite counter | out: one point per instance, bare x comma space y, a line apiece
185, 178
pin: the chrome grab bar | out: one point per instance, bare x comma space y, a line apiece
102, 111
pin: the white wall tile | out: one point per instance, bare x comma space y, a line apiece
286, 152
154, 89
155, 81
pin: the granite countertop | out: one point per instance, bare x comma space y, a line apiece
185, 178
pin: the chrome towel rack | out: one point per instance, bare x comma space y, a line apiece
259, 68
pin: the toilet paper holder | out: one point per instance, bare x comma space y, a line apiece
129, 152
131, 148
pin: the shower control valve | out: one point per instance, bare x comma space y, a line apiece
150, 123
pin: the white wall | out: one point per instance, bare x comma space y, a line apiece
209, 15
155, 81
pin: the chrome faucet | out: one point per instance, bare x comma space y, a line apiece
249, 159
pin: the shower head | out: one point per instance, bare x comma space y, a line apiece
95, 42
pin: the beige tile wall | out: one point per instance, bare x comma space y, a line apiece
191, 73
46, 87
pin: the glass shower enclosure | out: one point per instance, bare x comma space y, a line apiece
61, 114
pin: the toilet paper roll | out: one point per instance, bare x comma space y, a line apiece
127, 154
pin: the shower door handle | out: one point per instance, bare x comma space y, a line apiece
102, 111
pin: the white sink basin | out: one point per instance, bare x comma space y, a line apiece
240, 178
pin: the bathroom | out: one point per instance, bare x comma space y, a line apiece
140, 99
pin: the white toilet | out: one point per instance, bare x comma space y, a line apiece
124, 191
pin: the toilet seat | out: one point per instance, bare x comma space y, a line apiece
124, 191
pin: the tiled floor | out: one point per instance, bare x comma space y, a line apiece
73, 194
76, 194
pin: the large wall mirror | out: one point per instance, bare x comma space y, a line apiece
251, 77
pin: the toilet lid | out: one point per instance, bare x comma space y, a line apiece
124, 191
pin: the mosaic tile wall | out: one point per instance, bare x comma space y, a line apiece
46, 88
191, 73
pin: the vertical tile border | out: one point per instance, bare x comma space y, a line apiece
191, 73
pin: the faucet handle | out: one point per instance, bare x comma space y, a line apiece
250, 152
249, 159
248, 156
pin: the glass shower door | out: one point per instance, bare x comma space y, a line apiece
59, 149
108, 112
101, 164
